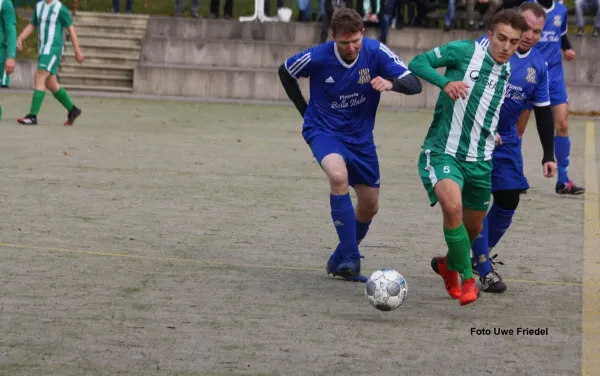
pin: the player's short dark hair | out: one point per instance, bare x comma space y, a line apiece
509, 17
346, 21
534, 8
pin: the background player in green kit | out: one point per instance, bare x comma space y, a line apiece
455, 164
8, 43
50, 17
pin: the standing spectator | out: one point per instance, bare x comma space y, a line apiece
493, 6
304, 10
180, 6
227, 9
451, 13
117, 6
580, 6
267, 8
330, 7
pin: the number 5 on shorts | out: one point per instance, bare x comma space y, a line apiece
446, 169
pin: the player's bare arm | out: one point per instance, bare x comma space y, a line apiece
292, 89
24, 35
75, 41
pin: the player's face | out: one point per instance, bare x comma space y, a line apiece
349, 44
504, 41
531, 36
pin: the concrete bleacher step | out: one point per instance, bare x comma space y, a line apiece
118, 19
94, 79
120, 40
109, 29
125, 72
110, 89
97, 49
103, 59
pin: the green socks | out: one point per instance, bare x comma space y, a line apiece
459, 251
36, 102
62, 96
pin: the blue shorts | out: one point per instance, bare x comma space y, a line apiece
361, 161
556, 86
507, 170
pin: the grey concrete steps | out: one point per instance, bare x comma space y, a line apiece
120, 40
103, 59
124, 71
97, 49
119, 19
111, 44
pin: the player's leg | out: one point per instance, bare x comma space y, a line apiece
330, 154
367, 206
63, 98
39, 81
364, 177
508, 181
562, 149
443, 180
562, 144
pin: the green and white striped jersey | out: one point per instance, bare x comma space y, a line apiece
51, 18
465, 129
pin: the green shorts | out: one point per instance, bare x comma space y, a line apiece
474, 178
49, 63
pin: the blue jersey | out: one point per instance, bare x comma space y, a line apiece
528, 83
550, 41
342, 102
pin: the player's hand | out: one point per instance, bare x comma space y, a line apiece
381, 84
498, 139
9, 65
570, 54
456, 90
549, 169
79, 57
19, 45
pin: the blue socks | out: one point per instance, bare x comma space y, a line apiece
499, 221
562, 149
496, 223
481, 251
344, 220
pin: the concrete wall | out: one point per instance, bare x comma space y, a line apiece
216, 59
22, 77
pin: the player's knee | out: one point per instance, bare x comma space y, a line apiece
338, 179
452, 210
368, 210
507, 200
562, 127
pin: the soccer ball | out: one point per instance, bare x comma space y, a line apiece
386, 289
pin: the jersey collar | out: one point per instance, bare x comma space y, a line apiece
522, 56
551, 8
339, 58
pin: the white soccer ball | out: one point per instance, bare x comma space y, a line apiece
386, 289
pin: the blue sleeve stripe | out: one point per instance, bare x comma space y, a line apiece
297, 66
392, 55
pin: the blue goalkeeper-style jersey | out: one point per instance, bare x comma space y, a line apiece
342, 102
550, 41
528, 83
